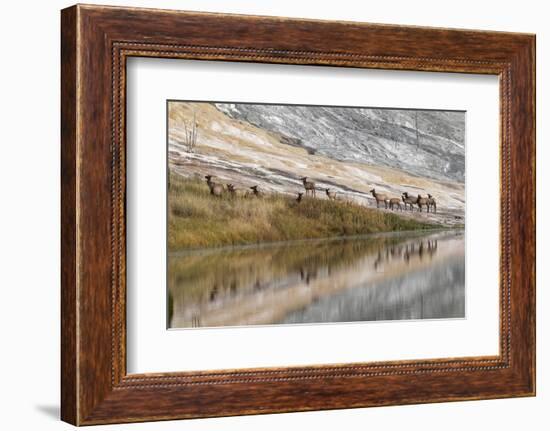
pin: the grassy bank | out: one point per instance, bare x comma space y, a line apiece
198, 219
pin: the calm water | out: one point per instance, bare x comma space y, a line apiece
384, 277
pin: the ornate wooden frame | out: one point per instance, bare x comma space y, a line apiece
95, 43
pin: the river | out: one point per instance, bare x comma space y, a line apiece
397, 276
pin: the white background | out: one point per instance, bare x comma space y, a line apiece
29, 216
151, 348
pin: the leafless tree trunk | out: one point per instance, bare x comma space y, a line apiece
191, 134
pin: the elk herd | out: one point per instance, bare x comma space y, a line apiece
390, 202
409, 202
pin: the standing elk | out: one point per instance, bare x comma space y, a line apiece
331, 195
309, 186
256, 191
395, 202
432, 203
408, 200
380, 197
421, 202
210, 180
216, 189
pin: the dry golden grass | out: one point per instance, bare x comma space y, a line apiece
198, 219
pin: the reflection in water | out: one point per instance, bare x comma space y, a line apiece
384, 277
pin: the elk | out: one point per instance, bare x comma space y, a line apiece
235, 192
395, 202
209, 179
380, 197
299, 197
420, 201
231, 189
432, 203
309, 186
256, 192
408, 200
331, 195
216, 189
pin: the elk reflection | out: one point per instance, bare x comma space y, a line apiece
210, 276
420, 249
309, 274
247, 284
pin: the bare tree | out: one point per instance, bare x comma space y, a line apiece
191, 134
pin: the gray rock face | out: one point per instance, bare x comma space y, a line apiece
424, 143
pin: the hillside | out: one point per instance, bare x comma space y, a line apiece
198, 219
384, 137
238, 150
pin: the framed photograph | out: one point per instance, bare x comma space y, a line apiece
264, 215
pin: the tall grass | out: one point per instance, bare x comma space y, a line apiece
198, 219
